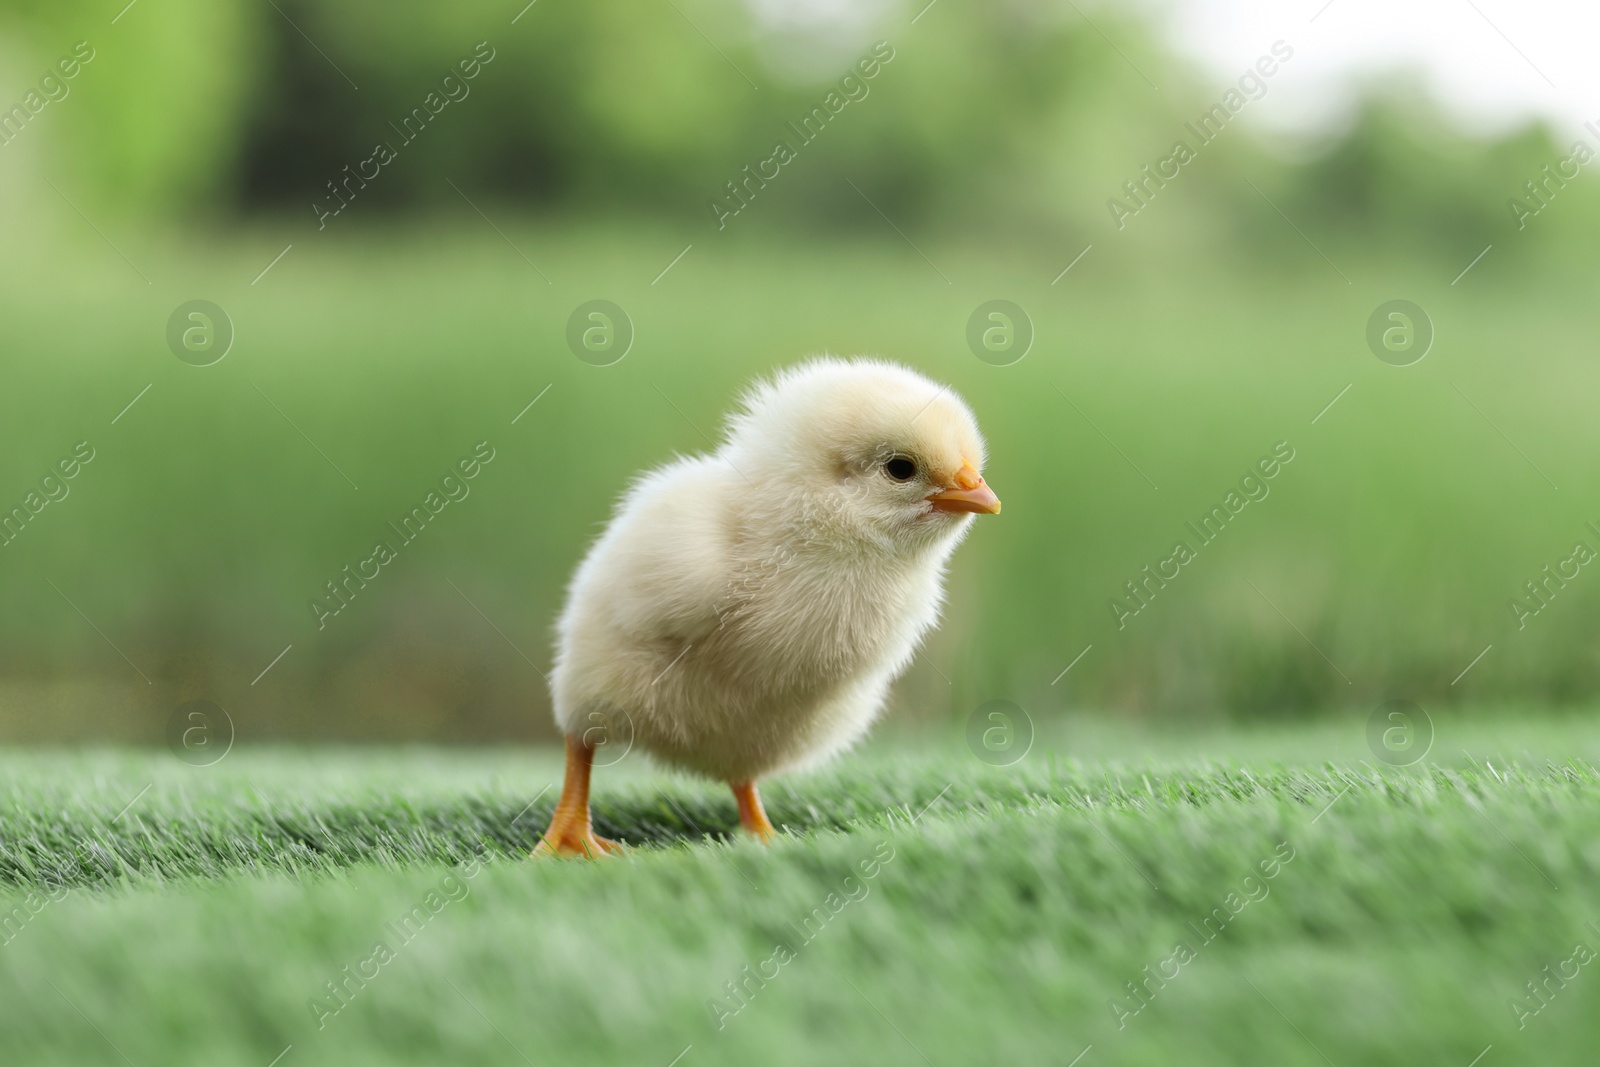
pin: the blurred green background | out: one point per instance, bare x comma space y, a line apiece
190, 158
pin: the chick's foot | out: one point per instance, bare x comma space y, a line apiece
575, 841
752, 816
571, 834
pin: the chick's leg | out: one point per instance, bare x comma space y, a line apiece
571, 833
752, 816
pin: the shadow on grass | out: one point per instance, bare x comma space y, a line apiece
37, 850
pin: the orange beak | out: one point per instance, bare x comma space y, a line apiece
968, 494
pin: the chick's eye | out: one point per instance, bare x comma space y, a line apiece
900, 468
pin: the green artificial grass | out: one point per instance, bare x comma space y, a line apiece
1274, 898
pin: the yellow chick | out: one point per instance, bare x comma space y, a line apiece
745, 611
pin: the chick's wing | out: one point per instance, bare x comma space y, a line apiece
662, 569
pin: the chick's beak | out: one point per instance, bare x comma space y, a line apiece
968, 494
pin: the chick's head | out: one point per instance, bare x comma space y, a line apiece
862, 450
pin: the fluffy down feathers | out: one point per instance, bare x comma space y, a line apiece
748, 609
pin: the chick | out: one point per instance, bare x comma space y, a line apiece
745, 611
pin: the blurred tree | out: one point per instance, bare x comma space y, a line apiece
613, 105
1012, 117
153, 125
1402, 176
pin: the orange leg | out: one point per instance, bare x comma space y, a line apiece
571, 834
752, 816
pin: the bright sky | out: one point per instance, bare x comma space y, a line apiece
1491, 63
